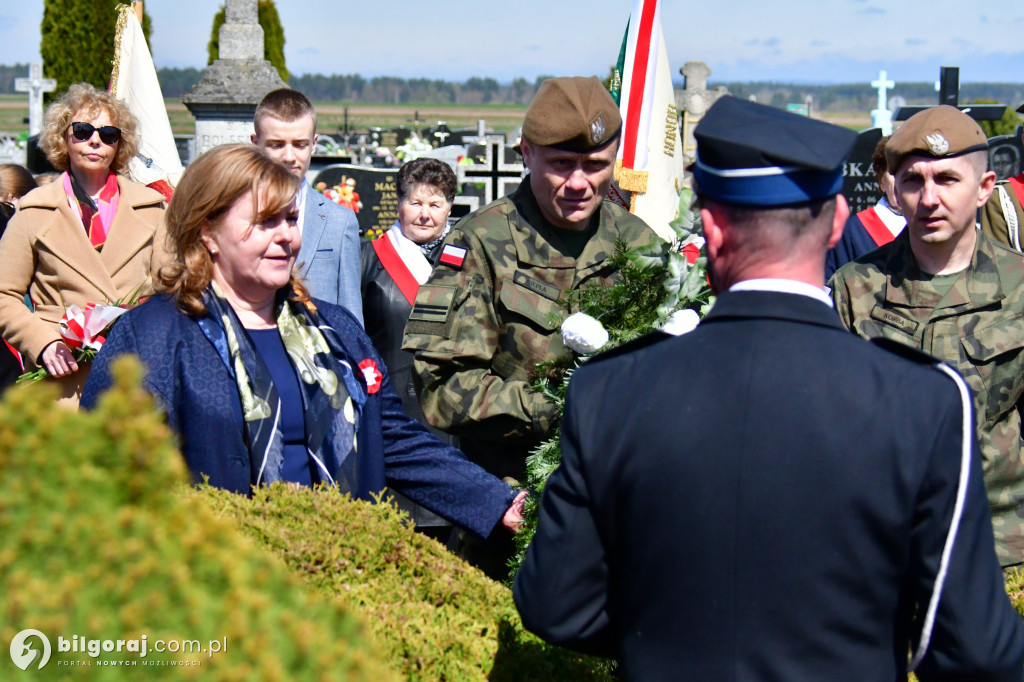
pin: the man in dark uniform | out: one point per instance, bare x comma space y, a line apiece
488, 314
792, 503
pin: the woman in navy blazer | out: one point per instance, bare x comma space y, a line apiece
261, 382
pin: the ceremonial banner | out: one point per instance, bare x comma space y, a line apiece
650, 157
134, 82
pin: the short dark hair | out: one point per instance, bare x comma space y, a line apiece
427, 171
767, 227
878, 163
284, 104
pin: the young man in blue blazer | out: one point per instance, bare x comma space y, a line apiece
328, 260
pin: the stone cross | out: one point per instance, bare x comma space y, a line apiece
882, 117
225, 98
241, 36
35, 85
693, 102
494, 172
949, 93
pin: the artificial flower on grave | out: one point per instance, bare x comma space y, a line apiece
343, 194
84, 331
414, 148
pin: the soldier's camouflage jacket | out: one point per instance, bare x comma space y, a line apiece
977, 327
479, 328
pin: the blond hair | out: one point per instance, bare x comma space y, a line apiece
82, 97
210, 186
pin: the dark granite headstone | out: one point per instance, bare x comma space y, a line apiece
395, 137
1006, 156
376, 190
859, 185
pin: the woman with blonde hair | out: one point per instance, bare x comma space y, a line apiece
87, 238
264, 384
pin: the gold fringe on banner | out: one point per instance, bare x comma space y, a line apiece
122, 22
629, 179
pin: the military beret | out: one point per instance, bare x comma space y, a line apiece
940, 132
572, 113
750, 154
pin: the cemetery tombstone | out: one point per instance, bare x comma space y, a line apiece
35, 85
1006, 156
859, 185
372, 193
500, 171
224, 100
395, 137
438, 135
694, 100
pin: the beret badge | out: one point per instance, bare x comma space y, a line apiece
597, 129
937, 143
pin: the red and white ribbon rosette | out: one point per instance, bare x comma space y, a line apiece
84, 328
371, 375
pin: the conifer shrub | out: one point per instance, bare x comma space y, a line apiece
436, 617
97, 540
77, 41
1015, 588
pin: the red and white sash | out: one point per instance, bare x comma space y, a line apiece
403, 261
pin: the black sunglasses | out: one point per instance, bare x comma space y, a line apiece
83, 131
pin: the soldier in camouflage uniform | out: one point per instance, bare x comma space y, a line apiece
947, 289
484, 319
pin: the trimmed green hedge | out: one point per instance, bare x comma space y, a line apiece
96, 540
437, 617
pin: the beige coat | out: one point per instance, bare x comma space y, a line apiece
46, 253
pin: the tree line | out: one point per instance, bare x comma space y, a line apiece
481, 90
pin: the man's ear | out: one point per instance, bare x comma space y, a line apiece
839, 220
524, 149
986, 187
713, 235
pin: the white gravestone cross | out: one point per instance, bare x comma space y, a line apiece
882, 117
35, 85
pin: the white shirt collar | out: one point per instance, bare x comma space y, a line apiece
300, 203
785, 286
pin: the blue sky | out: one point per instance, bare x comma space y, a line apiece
816, 41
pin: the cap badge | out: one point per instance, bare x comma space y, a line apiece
937, 143
597, 129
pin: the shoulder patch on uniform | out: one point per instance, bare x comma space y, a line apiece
904, 351
453, 255
433, 304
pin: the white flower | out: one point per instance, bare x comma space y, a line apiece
681, 321
583, 334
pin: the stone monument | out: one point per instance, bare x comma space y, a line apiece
882, 116
693, 101
35, 85
224, 100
